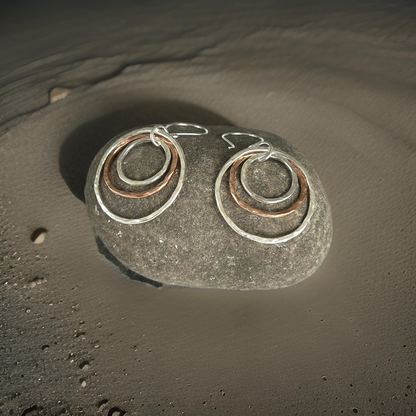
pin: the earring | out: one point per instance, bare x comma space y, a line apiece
260, 152
160, 137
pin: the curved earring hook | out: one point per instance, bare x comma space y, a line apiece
155, 129
236, 133
259, 143
204, 130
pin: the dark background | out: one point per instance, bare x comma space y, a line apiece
335, 79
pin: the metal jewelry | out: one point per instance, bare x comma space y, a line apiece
159, 136
259, 152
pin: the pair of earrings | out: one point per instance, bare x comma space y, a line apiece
161, 137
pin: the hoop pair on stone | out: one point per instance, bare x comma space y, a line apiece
258, 152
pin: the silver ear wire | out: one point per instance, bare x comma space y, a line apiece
203, 130
236, 133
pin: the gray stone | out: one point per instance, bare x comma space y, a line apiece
190, 244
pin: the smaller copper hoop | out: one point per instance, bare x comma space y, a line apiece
278, 214
120, 146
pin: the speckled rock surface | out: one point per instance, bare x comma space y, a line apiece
190, 244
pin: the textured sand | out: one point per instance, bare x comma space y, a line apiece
79, 337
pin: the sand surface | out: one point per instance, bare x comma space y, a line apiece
79, 337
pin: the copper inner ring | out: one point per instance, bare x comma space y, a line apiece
120, 146
278, 214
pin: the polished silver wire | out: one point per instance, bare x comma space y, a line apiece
237, 133
267, 155
264, 200
154, 178
264, 240
156, 130
166, 205
203, 129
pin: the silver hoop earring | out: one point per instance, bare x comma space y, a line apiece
159, 136
260, 152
